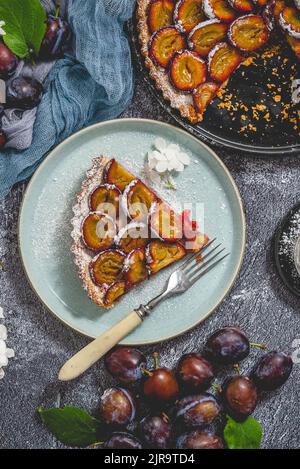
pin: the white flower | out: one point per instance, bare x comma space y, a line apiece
2, 32
167, 157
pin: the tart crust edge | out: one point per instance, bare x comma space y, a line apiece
179, 101
94, 177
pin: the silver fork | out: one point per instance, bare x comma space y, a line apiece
188, 273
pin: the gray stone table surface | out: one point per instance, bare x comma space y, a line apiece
259, 303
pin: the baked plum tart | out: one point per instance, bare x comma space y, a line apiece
119, 248
192, 47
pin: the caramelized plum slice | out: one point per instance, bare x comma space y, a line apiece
204, 95
135, 267
117, 175
164, 43
98, 231
289, 20
188, 13
206, 35
260, 3
242, 5
222, 61
295, 45
248, 33
107, 267
219, 9
160, 254
160, 14
114, 292
166, 223
278, 7
137, 200
105, 199
132, 236
187, 70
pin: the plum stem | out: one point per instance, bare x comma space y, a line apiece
217, 387
237, 368
57, 9
146, 372
155, 356
95, 445
261, 346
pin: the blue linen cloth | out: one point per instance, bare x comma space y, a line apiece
95, 84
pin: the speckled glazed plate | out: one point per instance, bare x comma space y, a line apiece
45, 227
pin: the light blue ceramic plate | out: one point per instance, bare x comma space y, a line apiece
44, 229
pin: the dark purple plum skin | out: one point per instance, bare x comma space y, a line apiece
227, 346
3, 139
24, 93
194, 372
56, 37
199, 439
123, 440
125, 364
240, 396
8, 62
272, 370
197, 410
117, 407
156, 431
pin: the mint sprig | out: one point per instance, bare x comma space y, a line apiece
25, 26
71, 426
243, 435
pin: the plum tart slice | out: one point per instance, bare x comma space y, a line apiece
115, 254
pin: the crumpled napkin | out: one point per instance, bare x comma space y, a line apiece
93, 84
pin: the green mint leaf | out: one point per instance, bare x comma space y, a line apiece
71, 425
243, 435
25, 25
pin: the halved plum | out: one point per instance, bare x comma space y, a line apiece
133, 236
107, 267
204, 95
105, 199
206, 35
135, 267
242, 5
117, 175
166, 223
295, 45
164, 43
187, 70
188, 13
160, 254
160, 14
98, 231
219, 9
223, 59
289, 20
248, 33
114, 292
137, 200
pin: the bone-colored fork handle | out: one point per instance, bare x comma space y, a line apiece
99, 347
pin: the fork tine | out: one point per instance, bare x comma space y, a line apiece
204, 264
211, 266
196, 254
197, 264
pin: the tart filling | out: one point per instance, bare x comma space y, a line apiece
115, 254
203, 27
